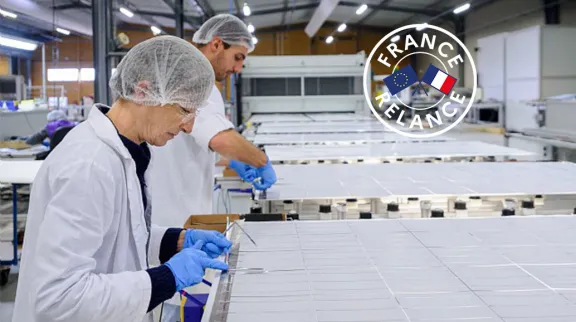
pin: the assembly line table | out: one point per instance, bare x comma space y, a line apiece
339, 138
504, 269
15, 173
379, 152
361, 180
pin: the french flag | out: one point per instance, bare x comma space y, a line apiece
439, 79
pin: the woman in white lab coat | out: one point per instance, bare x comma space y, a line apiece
88, 237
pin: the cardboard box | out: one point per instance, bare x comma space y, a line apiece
229, 173
210, 222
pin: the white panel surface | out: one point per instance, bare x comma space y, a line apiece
491, 66
323, 127
520, 116
327, 181
399, 150
339, 138
339, 117
19, 171
272, 118
291, 104
435, 270
523, 53
542, 151
297, 118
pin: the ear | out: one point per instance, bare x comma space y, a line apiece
216, 44
141, 88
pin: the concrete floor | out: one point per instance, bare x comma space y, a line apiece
8, 293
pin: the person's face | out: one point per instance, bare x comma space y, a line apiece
227, 61
165, 122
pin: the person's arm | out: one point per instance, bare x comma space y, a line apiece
233, 146
213, 131
69, 283
37, 138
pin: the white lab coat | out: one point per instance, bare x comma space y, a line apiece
182, 172
181, 176
84, 253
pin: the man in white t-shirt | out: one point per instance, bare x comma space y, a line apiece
181, 174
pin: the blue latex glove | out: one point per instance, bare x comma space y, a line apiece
188, 266
214, 243
246, 172
267, 177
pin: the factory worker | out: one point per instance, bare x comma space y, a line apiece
56, 120
187, 187
89, 238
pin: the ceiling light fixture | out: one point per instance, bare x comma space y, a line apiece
361, 9
246, 10
462, 8
126, 12
63, 31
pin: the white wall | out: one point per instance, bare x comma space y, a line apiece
500, 16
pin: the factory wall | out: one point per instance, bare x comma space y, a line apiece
296, 42
501, 16
498, 17
4, 65
76, 52
73, 52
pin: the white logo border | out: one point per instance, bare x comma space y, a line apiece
369, 99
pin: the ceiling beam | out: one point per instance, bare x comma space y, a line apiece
237, 4
373, 12
385, 7
192, 22
334, 24
281, 10
207, 8
285, 12
433, 5
76, 5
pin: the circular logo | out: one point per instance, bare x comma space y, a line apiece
420, 103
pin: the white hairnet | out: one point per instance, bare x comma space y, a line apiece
166, 70
229, 28
56, 115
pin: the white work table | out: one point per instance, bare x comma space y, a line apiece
507, 269
16, 172
326, 181
339, 138
448, 149
322, 127
19, 171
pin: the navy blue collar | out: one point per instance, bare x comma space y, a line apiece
140, 153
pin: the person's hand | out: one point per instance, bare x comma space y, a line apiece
188, 266
267, 177
214, 243
246, 172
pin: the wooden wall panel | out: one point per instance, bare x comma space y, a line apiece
76, 51
4, 65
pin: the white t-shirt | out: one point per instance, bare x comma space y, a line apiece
181, 173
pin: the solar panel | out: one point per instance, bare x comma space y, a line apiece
398, 150
322, 127
511, 269
339, 117
339, 138
262, 118
360, 180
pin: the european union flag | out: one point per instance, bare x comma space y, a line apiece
401, 79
